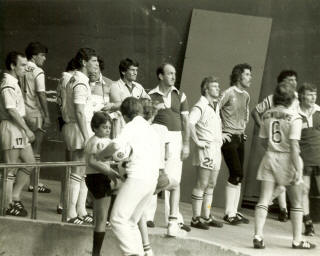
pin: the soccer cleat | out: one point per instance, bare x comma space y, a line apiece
184, 227
150, 224
232, 220
41, 189
13, 211
213, 222
19, 206
76, 220
196, 223
258, 243
283, 215
88, 219
108, 224
241, 218
309, 230
173, 229
303, 245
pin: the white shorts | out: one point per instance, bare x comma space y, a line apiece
209, 157
73, 136
173, 165
278, 168
12, 137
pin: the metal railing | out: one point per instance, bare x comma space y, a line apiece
35, 183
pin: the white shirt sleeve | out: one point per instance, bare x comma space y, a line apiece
195, 115
9, 98
295, 129
39, 80
80, 94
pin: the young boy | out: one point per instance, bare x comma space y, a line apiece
99, 176
281, 164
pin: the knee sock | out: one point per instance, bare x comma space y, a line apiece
81, 203
8, 189
74, 189
231, 191
296, 220
261, 213
197, 199
97, 243
237, 198
146, 247
207, 201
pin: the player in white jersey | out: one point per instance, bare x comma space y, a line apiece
77, 130
206, 132
290, 77
15, 134
34, 94
281, 165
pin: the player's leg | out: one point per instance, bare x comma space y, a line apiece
142, 224
309, 229
296, 213
197, 197
261, 212
282, 200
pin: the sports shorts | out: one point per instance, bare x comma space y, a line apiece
99, 185
35, 123
278, 168
12, 137
73, 136
173, 165
208, 157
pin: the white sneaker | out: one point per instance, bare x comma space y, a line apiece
174, 230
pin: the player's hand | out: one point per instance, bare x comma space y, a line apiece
202, 144
185, 151
226, 137
47, 123
107, 106
113, 175
30, 135
298, 177
245, 136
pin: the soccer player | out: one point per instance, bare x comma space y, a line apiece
206, 132
15, 134
234, 106
142, 175
280, 131
290, 77
34, 94
77, 130
310, 147
175, 115
99, 176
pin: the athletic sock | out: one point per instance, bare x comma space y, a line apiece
237, 198
97, 243
231, 191
146, 247
196, 198
261, 213
81, 203
207, 201
8, 189
296, 220
74, 190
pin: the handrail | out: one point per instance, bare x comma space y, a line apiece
35, 182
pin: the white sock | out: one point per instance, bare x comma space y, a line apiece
197, 199
231, 191
237, 198
81, 203
207, 201
74, 189
9, 187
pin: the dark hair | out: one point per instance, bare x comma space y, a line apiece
306, 87
205, 82
101, 63
149, 108
99, 118
35, 48
285, 73
160, 69
131, 107
12, 58
71, 65
283, 95
84, 54
125, 64
237, 72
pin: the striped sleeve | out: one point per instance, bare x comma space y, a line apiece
264, 105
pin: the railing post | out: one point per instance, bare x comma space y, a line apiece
65, 193
4, 193
35, 184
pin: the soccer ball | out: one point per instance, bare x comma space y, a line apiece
122, 153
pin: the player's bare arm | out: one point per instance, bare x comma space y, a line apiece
108, 151
256, 117
185, 151
295, 157
81, 120
43, 101
21, 123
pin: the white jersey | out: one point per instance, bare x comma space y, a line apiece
32, 83
279, 126
61, 92
94, 146
10, 97
77, 92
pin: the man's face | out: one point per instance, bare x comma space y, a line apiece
292, 80
39, 59
309, 98
92, 65
169, 75
245, 79
131, 74
214, 89
20, 68
94, 76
